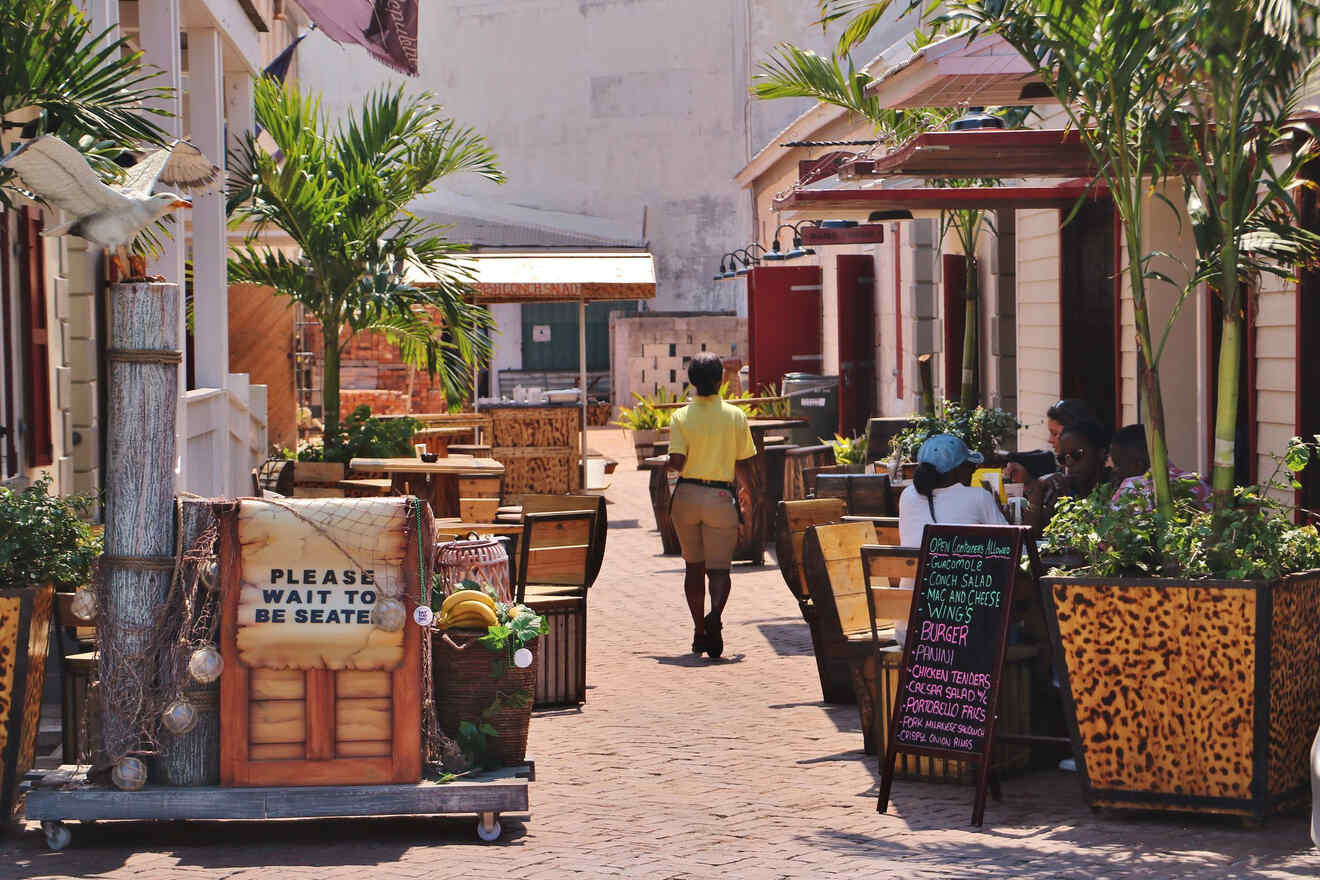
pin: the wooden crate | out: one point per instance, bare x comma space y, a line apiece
536, 426
538, 470
561, 667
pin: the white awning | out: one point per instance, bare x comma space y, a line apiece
558, 277
956, 72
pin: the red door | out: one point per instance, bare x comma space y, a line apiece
783, 323
856, 275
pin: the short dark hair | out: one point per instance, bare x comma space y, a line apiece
706, 372
1091, 431
1130, 437
1070, 411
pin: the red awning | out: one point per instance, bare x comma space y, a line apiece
840, 202
984, 153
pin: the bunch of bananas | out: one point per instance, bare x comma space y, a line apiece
467, 609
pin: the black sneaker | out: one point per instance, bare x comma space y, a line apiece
714, 636
698, 643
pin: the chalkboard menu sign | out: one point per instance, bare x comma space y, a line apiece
953, 657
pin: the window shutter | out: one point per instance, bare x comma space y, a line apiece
36, 341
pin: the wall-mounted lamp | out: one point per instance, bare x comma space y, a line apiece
891, 214
776, 255
976, 118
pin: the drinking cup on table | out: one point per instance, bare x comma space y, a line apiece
420, 448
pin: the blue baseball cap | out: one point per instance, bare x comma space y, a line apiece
945, 452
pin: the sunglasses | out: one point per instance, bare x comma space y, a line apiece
1071, 455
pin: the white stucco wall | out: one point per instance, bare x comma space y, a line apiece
607, 107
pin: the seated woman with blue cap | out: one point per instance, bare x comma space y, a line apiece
939, 494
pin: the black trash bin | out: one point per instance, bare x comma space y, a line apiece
816, 399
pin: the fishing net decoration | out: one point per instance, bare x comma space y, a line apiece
143, 669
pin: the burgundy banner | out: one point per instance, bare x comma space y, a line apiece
385, 28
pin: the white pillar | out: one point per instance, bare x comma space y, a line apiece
104, 14
238, 111
158, 34
210, 289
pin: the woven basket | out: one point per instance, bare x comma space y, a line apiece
464, 687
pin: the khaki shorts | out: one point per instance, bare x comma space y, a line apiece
706, 521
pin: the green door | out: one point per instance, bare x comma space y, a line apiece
550, 334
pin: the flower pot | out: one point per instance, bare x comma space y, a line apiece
1199, 696
468, 678
644, 444
25, 616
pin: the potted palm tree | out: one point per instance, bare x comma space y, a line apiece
43, 545
342, 192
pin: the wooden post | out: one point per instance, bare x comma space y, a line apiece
194, 757
139, 523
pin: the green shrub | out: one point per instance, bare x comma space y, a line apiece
1125, 535
363, 436
982, 429
43, 540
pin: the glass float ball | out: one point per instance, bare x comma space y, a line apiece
522, 658
129, 773
389, 615
83, 605
179, 717
206, 664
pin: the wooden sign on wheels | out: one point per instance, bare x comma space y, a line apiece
322, 681
953, 658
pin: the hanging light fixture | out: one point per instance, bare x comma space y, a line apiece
776, 255
975, 119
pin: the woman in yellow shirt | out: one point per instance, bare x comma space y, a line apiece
709, 445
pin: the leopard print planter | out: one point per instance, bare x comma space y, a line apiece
1189, 695
24, 637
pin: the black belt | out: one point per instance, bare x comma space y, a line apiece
714, 484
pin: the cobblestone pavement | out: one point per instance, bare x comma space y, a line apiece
682, 768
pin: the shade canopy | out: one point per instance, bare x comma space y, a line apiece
861, 202
956, 72
1037, 152
558, 277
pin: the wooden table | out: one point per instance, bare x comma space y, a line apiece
436, 482
758, 506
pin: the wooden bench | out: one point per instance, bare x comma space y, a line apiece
370, 487
865, 494
553, 581
318, 479
839, 585
793, 520
796, 461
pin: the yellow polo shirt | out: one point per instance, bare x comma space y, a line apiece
713, 435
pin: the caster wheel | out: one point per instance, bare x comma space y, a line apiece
488, 827
58, 835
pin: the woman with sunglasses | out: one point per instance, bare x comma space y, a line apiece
1082, 450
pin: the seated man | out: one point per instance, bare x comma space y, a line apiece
1127, 450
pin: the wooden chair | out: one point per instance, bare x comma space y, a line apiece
77, 669
798, 460
594, 503
553, 580
793, 521
865, 494
811, 474
832, 563
317, 479
886, 527
879, 431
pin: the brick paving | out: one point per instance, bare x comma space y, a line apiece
681, 768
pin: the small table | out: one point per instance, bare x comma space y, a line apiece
435, 482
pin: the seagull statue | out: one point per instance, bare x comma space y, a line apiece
109, 215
